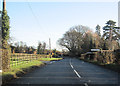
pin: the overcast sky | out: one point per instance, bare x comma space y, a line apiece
32, 22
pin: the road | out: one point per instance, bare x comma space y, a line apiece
70, 71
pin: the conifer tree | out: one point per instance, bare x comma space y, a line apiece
5, 29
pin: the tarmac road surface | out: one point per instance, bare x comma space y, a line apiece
69, 71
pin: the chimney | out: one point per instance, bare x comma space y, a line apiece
4, 5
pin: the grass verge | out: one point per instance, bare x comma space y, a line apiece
49, 59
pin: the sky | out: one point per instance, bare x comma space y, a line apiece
32, 22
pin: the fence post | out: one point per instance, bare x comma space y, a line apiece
30, 57
12, 60
17, 59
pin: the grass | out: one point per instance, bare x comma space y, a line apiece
15, 68
49, 59
23, 61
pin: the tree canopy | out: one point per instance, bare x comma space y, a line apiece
111, 33
76, 40
81, 39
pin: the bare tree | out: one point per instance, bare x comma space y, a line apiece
73, 39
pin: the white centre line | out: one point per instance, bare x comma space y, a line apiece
85, 84
74, 70
77, 73
71, 66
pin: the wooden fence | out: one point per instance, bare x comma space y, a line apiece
8, 59
20, 58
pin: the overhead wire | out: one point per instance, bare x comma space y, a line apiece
35, 17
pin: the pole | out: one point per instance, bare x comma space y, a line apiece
50, 46
4, 5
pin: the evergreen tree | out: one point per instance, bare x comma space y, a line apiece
98, 30
110, 33
5, 36
5, 29
39, 48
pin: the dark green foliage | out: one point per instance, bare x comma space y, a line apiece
5, 59
41, 48
98, 30
111, 34
110, 31
21, 47
5, 36
117, 56
5, 29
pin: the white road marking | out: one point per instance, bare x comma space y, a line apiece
70, 61
89, 80
85, 84
74, 70
72, 66
77, 73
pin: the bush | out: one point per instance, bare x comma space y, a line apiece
104, 56
117, 56
5, 59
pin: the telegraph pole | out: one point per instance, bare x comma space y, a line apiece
4, 5
50, 46
119, 17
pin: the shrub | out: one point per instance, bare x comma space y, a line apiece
5, 59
